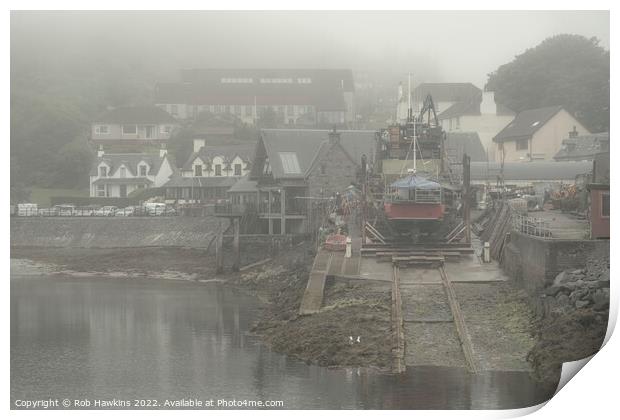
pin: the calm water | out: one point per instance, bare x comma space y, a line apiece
105, 338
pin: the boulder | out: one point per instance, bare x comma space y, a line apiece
562, 300
581, 304
555, 289
560, 278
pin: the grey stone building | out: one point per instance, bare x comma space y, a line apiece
295, 172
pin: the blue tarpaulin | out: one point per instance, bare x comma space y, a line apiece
415, 182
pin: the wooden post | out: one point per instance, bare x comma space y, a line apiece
283, 211
364, 197
236, 252
219, 250
466, 197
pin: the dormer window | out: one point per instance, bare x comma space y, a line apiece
123, 172
102, 129
197, 170
237, 169
218, 170
143, 169
103, 171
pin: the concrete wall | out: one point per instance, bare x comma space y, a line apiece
534, 262
113, 232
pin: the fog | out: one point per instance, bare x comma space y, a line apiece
436, 46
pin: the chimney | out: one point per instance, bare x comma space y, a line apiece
574, 133
199, 144
100, 152
334, 136
488, 105
162, 150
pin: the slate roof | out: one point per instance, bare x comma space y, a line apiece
229, 152
131, 162
529, 171
244, 184
526, 123
204, 86
460, 108
457, 143
178, 181
448, 92
308, 144
139, 180
136, 115
583, 147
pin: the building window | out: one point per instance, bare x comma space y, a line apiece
605, 205
166, 129
197, 170
458, 123
123, 172
248, 110
103, 171
237, 169
130, 129
102, 129
100, 190
522, 144
142, 170
218, 170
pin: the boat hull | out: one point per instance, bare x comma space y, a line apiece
414, 211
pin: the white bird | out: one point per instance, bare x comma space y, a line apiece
350, 340
358, 339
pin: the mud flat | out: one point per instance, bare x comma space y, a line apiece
329, 337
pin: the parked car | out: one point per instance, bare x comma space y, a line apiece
106, 211
84, 211
51, 211
140, 211
27, 209
65, 209
127, 211
170, 211
155, 209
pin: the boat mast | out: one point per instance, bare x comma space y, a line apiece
412, 120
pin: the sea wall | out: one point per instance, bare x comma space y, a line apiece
535, 262
114, 232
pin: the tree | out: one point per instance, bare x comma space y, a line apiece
567, 70
73, 163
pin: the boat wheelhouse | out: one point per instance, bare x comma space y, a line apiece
414, 198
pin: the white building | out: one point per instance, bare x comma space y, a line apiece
297, 97
132, 128
120, 174
209, 172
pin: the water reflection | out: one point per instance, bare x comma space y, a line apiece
110, 338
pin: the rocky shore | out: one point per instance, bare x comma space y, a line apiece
572, 316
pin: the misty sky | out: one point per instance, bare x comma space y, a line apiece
436, 46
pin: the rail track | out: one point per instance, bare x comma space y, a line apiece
426, 274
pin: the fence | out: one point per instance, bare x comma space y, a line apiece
531, 226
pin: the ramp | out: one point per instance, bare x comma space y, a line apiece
313, 295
